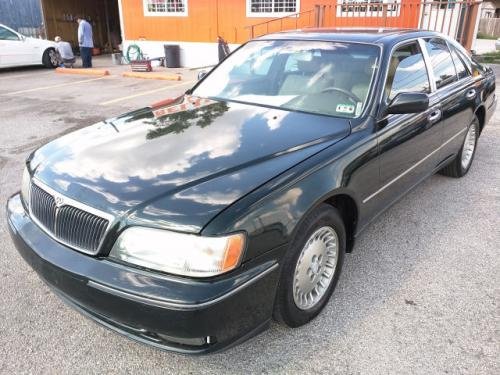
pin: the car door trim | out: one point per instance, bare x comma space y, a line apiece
412, 167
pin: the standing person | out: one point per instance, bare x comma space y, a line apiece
85, 42
64, 52
223, 48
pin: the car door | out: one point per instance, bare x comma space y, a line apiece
14, 50
406, 142
457, 90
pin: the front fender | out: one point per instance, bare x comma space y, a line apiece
271, 214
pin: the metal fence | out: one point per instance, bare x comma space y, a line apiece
490, 26
454, 18
24, 16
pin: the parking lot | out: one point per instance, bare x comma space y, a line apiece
419, 294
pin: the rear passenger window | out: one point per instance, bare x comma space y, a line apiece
441, 61
407, 72
462, 71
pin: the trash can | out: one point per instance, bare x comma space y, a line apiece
172, 55
116, 58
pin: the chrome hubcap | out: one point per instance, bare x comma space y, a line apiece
468, 148
315, 268
53, 57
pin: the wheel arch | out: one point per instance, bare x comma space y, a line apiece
45, 56
344, 201
349, 212
480, 113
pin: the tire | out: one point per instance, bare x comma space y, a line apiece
463, 161
293, 308
49, 58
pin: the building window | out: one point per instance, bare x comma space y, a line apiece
165, 8
272, 8
369, 8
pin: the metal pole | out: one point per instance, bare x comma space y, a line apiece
471, 25
108, 31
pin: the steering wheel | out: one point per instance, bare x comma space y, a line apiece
349, 94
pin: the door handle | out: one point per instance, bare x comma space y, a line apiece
434, 116
471, 94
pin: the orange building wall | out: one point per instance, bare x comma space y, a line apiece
208, 18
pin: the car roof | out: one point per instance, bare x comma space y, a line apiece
359, 35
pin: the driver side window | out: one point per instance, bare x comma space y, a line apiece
407, 72
7, 34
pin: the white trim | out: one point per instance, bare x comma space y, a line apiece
412, 167
193, 54
147, 13
251, 14
122, 24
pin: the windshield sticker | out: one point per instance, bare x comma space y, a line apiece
359, 106
345, 108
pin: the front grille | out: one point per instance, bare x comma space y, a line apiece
68, 224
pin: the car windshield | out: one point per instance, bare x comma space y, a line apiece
328, 78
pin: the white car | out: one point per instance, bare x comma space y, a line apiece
19, 50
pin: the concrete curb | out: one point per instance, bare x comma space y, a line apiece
87, 71
146, 75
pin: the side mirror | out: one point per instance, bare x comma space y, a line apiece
202, 74
408, 102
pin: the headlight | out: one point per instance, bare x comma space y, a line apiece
179, 253
25, 186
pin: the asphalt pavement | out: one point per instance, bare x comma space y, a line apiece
419, 295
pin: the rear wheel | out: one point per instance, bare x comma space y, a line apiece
311, 267
462, 162
49, 58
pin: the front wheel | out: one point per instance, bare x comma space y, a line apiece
462, 162
49, 58
311, 267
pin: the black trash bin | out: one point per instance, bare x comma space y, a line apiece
172, 55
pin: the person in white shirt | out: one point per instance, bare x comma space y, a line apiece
64, 52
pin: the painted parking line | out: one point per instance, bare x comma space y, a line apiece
146, 93
32, 74
54, 86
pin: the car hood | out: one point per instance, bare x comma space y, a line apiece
179, 165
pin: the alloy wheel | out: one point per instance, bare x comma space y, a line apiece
468, 147
53, 57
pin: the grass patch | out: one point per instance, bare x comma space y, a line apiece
489, 57
485, 36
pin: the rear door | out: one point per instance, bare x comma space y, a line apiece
457, 90
407, 142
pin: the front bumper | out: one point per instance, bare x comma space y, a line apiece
173, 313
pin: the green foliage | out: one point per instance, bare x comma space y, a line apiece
485, 36
489, 57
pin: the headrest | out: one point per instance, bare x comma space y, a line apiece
309, 67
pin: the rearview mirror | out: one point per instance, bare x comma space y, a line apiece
408, 102
202, 74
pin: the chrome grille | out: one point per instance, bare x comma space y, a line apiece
75, 227
43, 207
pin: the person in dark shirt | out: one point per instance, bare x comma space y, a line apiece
223, 48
